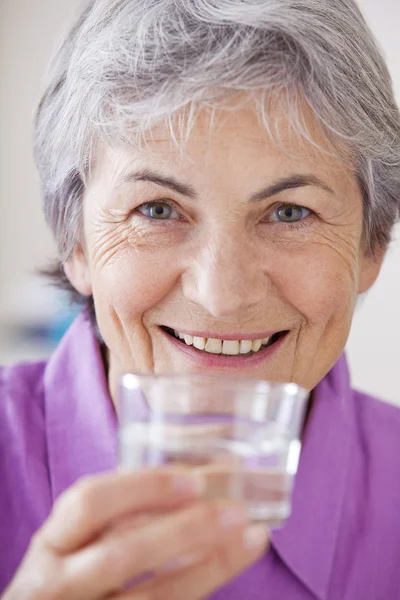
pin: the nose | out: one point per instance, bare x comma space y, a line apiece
225, 278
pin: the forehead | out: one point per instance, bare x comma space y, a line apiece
232, 140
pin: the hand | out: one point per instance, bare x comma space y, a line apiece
108, 530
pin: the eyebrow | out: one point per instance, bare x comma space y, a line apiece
158, 179
286, 183
289, 183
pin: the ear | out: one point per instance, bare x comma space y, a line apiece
77, 270
369, 270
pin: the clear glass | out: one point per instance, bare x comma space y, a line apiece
242, 435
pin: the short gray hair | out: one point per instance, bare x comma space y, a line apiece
127, 65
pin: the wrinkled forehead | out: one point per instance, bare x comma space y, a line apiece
239, 133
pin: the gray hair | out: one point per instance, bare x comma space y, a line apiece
127, 65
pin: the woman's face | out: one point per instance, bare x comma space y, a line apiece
229, 240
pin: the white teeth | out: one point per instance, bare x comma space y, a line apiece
230, 347
256, 345
227, 347
245, 346
213, 346
199, 343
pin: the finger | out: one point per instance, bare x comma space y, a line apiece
200, 580
87, 508
120, 556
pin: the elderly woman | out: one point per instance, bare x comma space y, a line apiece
222, 178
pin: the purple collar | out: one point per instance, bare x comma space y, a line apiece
80, 417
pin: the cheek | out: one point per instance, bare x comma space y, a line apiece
134, 281
319, 283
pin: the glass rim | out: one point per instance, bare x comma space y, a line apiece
131, 380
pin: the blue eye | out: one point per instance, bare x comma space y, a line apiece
160, 211
290, 213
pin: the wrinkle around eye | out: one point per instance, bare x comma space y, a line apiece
343, 246
109, 243
112, 242
339, 243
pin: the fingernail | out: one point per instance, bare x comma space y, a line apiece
255, 537
188, 485
232, 517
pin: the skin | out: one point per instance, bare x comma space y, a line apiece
223, 265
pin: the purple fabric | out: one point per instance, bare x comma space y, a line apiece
342, 541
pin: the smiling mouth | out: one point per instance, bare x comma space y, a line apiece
225, 347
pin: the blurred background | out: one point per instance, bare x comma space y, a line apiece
33, 316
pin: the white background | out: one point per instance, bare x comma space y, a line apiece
29, 30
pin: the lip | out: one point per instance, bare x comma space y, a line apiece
208, 360
229, 336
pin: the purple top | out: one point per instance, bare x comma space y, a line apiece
342, 541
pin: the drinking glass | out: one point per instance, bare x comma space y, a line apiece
242, 435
